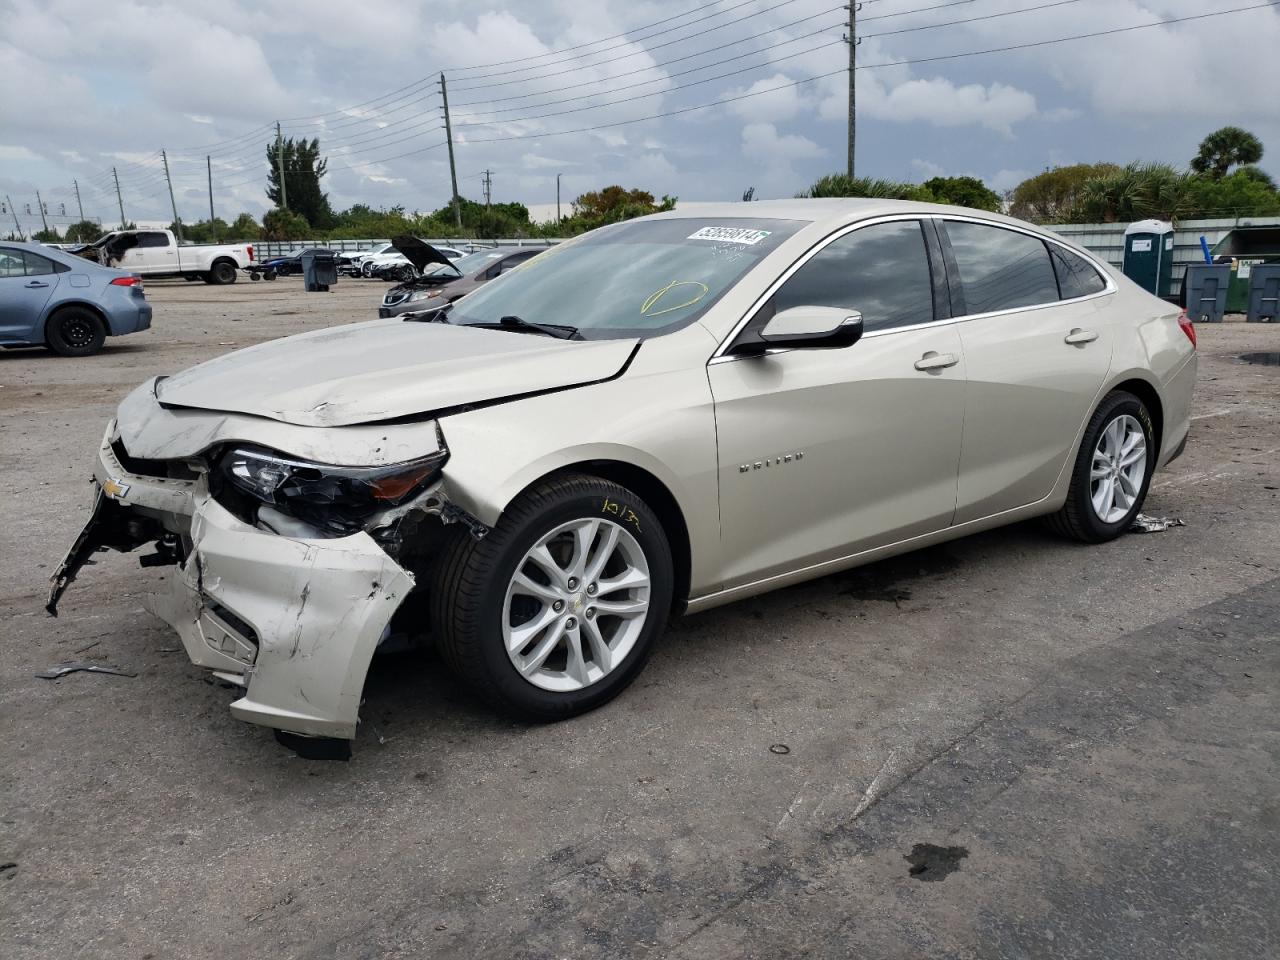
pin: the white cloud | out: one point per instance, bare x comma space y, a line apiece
781, 102
942, 103
12, 152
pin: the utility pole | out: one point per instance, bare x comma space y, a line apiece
14, 210
284, 193
76, 184
118, 199
177, 222
487, 179
448, 136
40, 205
208, 162
852, 40
557, 199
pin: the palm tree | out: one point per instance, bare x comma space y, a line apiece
1224, 149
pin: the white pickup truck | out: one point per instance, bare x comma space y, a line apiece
155, 253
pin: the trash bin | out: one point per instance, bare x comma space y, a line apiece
1247, 247
1205, 286
1264, 293
1148, 255
319, 270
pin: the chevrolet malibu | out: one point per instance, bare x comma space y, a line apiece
660, 416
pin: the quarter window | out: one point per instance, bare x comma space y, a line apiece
882, 271
1077, 277
1000, 269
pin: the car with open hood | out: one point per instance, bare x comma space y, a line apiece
440, 280
660, 416
394, 263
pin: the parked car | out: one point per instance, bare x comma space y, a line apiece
56, 299
392, 264
662, 415
440, 280
291, 262
156, 253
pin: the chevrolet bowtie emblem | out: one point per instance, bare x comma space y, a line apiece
114, 489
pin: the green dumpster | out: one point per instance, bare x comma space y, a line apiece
1247, 247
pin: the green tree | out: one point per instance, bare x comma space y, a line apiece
1239, 194
1136, 192
303, 169
842, 185
1226, 148
963, 192
1053, 196
47, 236
280, 224
84, 231
244, 227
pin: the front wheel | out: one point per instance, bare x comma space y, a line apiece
1112, 471
556, 611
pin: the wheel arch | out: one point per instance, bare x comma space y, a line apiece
1145, 391
659, 498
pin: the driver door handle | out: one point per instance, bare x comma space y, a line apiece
1080, 337
937, 361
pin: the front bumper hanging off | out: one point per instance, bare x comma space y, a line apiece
294, 621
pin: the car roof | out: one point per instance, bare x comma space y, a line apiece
832, 211
59, 256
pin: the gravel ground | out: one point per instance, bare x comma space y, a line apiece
1005, 746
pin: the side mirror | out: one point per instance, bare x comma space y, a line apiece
808, 328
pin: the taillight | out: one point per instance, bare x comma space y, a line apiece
126, 281
1188, 327
250, 249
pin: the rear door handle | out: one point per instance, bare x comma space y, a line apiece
937, 361
36, 283
1078, 336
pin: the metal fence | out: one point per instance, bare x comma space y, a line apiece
1107, 239
266, 249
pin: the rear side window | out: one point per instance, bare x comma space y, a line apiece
23, 263
881, 271
11, 264
1077, 277
1001, 269
152, 240
38, 266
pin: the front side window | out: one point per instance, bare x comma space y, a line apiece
1000, 269
882, 271
1077, 277
641, 278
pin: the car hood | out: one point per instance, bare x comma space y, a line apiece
389, 369
419, 253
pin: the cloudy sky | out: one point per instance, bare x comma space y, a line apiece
540, 87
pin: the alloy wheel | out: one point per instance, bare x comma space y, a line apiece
576, 605
1119, 469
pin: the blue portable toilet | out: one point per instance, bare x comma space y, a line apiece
1148, 255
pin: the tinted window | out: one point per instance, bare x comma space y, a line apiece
881, 270
1076, 276
1001, 269
152, 240
11, 263
38, 266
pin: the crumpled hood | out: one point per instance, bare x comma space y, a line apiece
385, 369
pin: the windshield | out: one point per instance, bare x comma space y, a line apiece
636, 279
476, 261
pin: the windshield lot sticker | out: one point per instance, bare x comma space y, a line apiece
731, 235
691, 297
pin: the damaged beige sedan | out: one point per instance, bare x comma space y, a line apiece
660, 416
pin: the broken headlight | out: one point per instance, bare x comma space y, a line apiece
337, 500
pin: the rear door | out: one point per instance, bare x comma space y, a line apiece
1037, 351
27, 282
826, 453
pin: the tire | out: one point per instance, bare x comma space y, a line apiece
366, 269
221, 273
269, 275
75, 332
1079, 518
474, 609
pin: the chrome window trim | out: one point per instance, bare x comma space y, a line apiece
719, 356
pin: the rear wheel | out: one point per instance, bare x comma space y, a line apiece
556, 611
75, 332
222, 272
1112, 472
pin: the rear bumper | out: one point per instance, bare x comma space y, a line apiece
131, 318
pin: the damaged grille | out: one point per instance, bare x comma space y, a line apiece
141, 467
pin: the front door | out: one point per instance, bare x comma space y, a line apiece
27, 281
826, 453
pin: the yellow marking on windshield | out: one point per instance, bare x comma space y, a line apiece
646, 308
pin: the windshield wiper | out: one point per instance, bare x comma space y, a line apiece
511, 322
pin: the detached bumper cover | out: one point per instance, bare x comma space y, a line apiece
294, 621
